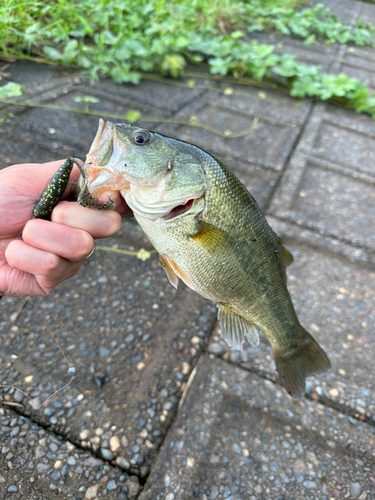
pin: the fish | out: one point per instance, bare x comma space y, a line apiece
211, 234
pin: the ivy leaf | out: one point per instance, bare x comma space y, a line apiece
122, 74
11, 89
122, 53
220, 65
309, 40
70, 52
287, 66
305, 86
237, 34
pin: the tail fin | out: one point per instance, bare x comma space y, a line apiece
295, 366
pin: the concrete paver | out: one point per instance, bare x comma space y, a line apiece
129, 335
36, 464
273, 119
333, 162
239, 436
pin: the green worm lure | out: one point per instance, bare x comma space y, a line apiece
56, 187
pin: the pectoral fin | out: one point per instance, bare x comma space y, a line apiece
235, 328
211, 237
169, 272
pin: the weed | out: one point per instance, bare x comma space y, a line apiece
125, 39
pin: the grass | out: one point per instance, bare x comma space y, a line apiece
124, 39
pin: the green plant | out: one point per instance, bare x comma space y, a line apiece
309, 23
10, 89
124, 39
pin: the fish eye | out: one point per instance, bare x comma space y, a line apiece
140, 137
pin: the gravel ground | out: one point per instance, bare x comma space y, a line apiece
36, 464
239, 436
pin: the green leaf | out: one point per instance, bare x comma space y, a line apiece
309, 40
237, 34
122, 74
287, 66
122, 53
133, 115
52, 53
304, 86
10, 89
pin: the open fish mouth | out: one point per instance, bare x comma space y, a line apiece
179, 210
166, 210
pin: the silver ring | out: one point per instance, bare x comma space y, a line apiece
90, 254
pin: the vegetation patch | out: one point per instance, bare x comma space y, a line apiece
124, 39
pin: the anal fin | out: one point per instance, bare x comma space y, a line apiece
235, 328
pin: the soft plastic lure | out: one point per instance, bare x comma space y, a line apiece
56, 187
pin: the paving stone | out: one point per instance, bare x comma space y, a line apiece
366, 12
118, 337
273, 120
346, 10
60, 133
131, 336
335, 300
34, 76
40, 83
24, 476
45, 132
239, 436
334, 162
162, 95
145, 325
318, 53
359, 62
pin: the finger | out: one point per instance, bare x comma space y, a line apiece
70, 243
48, 268
121, 206
99, 223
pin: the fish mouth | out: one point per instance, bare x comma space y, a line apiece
165, 210
179, 210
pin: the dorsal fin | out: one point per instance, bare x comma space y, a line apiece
235, 328
287, 256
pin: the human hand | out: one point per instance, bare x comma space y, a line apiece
49, 252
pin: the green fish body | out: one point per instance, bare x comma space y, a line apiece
209, 232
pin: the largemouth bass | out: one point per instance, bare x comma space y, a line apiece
210, 233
